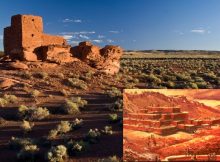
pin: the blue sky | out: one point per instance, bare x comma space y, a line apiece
132, 24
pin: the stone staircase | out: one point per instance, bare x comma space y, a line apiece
161, 120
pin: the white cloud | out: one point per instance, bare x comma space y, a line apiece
200, 31
77, 33
114, 31
110, 41
97, 41
71, 20
83, 36
101, 36
74, 42
77, 21
67, 37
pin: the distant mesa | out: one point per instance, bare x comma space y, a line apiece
25, 40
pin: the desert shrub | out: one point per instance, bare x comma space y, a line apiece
114, 92
110, 159
93, 135
152, 78
57, 154
3, 122
63, 127
27, 126
107, 130
77, 123
35, 93
169, 84
113, 118
53, 133
60, 129
41, 75
183, 77
25, 75
77, 147
32, 113
201, 85
28, 153
3, 102
70, 107
193, 85
17, 143
80, 102
11, 98
117, 105
76, 83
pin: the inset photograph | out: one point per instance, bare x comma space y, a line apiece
171, 125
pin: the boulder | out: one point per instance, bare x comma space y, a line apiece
6, 83
17, 66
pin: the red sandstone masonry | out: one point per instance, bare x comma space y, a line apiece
25, 35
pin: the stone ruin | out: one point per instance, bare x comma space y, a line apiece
24, 40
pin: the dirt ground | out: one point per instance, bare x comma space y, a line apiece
51, 87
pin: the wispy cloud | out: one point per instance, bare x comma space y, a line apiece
74, 42
77, 33
101, 36
97, 41
67, 37
71, 20
110, 41
83, 36
179, 32
200, 31
114, 31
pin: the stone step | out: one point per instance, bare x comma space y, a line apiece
163, 116
187, 127
150, 123
161, 131
160, 110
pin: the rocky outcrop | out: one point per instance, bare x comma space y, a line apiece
105, 59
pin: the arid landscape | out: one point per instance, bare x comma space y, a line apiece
171, 125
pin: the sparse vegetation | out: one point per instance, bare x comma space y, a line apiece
27, 126
57, 154
28, 153
19, 143
107, 130
113, 118
93, 135
76, 83
70, 107
32, 113
110, 159
35, 93
77, 147
77, 123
